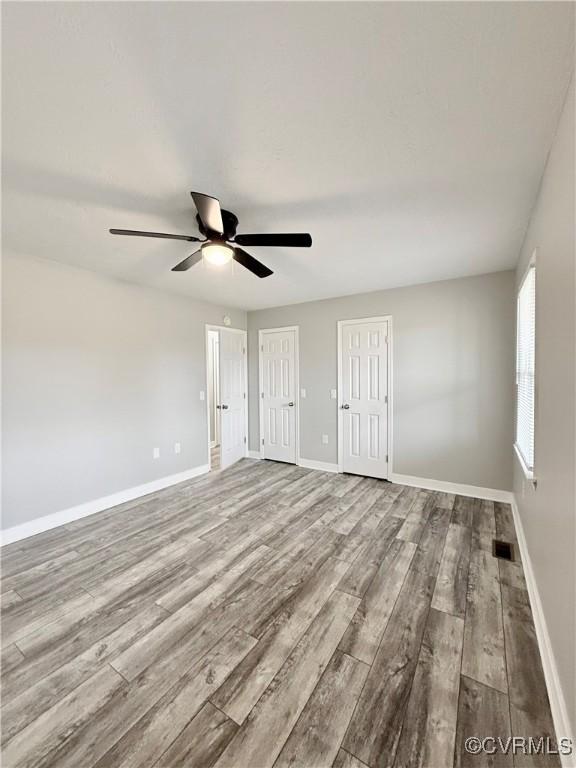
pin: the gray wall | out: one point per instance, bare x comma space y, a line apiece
453, 362
96, 373
548, 512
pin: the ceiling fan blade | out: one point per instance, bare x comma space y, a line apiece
137, 233
255, 266
188, 262
296, 240
209, 212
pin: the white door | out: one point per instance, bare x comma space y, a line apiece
278, 395
363, 385
232, 396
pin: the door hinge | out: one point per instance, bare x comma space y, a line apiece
244, 441
262, 395
245, 397
385, 398
386, 458
262, 441
243, 350
261, 347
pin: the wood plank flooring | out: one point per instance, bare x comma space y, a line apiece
215, 457
268, 615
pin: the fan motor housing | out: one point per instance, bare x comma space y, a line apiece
230, 222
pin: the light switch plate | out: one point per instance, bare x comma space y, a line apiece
177, 447
324, 439
202, 395
302, 392
333, 394
156, 453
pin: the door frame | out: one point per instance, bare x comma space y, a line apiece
361, 321
210, 392
211, 327
261, 331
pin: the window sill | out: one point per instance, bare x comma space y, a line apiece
528, 473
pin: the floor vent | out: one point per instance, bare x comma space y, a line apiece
502, 549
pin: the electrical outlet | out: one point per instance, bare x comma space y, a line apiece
324, 439
302, 392
177, 447
156, 453
202, 395
333, 394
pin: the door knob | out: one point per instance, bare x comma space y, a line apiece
291, 405
345, 407
224, 407
218, 407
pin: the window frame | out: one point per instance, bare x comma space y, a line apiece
529, 472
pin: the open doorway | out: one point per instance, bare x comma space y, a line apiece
214, 410
226, 384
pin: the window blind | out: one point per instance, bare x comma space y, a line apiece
525, 357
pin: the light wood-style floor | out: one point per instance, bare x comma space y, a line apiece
215, 457
269, 615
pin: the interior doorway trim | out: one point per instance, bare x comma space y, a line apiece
213, 393
209, 327
261, 332
360, 321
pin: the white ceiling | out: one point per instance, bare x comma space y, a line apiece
408, 138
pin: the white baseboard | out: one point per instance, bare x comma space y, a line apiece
323, 466
555, 693
491, 494
41, 524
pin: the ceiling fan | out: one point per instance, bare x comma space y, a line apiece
221, 241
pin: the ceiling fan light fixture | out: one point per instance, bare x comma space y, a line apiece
219, 228
217, 253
